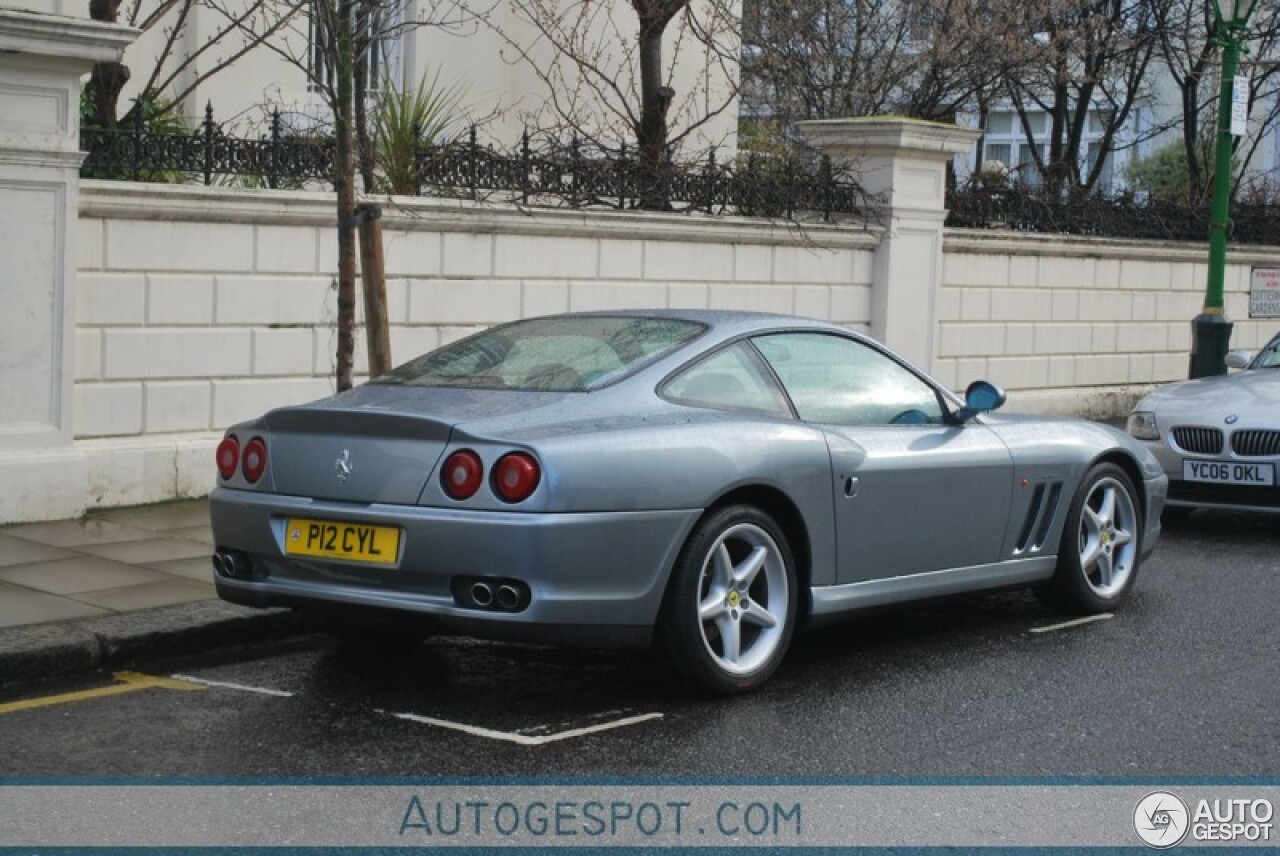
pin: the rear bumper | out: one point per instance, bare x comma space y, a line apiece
594, 578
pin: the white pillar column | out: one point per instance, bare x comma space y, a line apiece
903, 163
42, 58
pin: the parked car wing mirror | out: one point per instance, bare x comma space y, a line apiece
1238, 359
982, 396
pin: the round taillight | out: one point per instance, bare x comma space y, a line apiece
254, 461
228, 456
462, 475
516, 476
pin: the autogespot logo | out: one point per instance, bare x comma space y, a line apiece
1161, 820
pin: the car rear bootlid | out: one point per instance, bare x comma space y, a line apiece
380, 442
356, 455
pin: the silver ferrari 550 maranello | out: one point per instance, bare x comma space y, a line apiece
705, 481
1218, 438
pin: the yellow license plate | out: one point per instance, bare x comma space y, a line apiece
354, 542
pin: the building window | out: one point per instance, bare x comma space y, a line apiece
1106, 178
1006, 140
378, 30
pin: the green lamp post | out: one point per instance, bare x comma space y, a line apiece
1211, 329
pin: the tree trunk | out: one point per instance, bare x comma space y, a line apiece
1197, 180
373, 275
363, 43
655, 101
107, 79
344, 180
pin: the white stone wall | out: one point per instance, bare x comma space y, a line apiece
201, 307
42, 58
1080, 326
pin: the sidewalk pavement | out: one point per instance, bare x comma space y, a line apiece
114, 587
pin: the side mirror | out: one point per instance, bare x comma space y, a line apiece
1238, 359
982, 396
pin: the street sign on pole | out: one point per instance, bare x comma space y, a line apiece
1264, 293
1240, 105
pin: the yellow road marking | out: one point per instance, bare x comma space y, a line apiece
128, 682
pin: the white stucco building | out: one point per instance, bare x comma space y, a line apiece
496, 52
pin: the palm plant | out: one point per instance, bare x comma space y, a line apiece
407, 120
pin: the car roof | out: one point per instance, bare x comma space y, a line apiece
728, 322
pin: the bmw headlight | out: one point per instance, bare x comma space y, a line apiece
1142, 424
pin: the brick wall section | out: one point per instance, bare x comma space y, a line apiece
1080, 326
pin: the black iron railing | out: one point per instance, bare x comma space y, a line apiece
138, 153
1025, 209
571, 175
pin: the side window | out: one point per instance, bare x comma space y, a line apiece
838, 381
730, 379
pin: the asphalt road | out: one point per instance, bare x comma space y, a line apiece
1184, 681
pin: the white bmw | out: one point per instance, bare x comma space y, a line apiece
1218, 438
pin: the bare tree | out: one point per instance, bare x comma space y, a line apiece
178, 69
1084, 64
818, 59
823, 59
956, 61
1262, 66
609, 76
1189, 49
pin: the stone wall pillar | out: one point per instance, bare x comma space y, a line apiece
903, 163
42, 58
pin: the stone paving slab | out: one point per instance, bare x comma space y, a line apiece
113, 588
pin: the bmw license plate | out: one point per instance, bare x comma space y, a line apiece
1226, 472
354, 542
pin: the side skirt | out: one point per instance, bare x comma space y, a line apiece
830, 601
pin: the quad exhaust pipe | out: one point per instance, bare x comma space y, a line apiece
494, 594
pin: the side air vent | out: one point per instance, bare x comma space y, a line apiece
1255, 443
1040, 515
1198, 441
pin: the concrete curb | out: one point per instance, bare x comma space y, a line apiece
73, 647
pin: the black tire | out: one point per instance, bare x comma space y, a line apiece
730, 606
1101, 545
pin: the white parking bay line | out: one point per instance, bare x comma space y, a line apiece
1067, 625
226, 686
521, 739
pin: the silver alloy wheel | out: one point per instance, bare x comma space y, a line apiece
743, 599
1108, 537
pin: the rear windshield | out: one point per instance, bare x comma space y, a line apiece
561, 354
